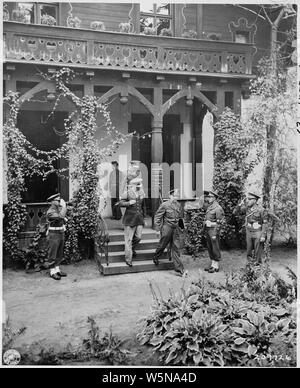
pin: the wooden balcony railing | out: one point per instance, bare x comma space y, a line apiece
71, 47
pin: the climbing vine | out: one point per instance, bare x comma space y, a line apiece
83, 152
22, 160
233, 164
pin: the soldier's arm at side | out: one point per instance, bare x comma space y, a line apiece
264, 216
159, 215
219, 216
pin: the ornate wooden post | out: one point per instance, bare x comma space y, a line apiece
156, 164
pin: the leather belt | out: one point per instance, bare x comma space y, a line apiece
210, 224
254, 225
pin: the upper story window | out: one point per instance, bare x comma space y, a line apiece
242, 37
38, 13
155, 18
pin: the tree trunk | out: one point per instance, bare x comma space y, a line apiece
269, 169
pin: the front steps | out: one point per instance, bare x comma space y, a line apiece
141, 263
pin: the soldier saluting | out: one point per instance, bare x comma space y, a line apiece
56, 217
256, 226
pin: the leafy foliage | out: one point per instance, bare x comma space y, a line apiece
271, 117
9, 335
233, 324
194, 242
232, 167
23, 159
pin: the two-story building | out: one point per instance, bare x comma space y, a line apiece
166, 70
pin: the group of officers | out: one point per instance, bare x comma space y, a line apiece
168, 222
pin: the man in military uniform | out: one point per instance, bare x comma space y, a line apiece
116, 179
133, 220
256, 226
211, 227
169, 220
56, 217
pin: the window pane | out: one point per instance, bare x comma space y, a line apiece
163, 9
28, 12
146, 22
148, 8
48, 10
162, 23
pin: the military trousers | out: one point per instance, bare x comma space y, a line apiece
254, 245
56, 241
116, 210
132, 236
170, 236
213, 243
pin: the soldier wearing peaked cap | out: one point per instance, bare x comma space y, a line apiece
56, 217
169, 221
256, 225
133, 219
211, 226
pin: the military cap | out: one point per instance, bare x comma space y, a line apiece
53, 197
207, 192
253, 195
174, 192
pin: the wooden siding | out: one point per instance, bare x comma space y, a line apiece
216, 18
111, 14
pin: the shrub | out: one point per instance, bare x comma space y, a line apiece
232, 167
125, 28
194, 240
212, 324
191, 34
150, 31
96, 25
166, 32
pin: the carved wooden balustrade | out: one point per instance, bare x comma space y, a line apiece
40, 44
36, 213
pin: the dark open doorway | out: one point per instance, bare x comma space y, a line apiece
46, 133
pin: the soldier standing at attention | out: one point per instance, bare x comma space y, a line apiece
256, 226
133, 220
211, 227
56, 216
168, 220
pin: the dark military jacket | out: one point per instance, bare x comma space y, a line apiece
255, 215
55, 215
134, 214
214, 213
169, 212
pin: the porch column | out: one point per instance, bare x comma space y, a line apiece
156, 164
186, 182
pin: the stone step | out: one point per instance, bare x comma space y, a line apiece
140, 266
118, 235
116, 246
143, 254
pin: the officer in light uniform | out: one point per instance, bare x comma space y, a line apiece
211, 227
56, 217
256, 226
133, 219
169, 220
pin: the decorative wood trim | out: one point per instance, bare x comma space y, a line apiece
199, 21
190, 92
242, 25
44, 85
134, 17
